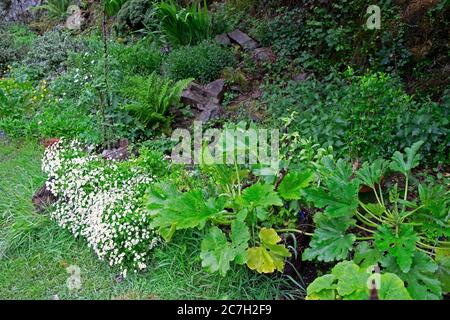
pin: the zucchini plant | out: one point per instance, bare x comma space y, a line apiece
238, 214
401, 230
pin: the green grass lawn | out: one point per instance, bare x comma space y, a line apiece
35, 252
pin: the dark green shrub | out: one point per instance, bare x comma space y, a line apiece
361, 116
49, 53
15, 41
203, 62
134, 15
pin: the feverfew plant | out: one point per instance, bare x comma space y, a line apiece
101, 201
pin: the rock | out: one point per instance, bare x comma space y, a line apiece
205, 99
243, 40
75, 19
48, 142
300, 77
193, 98
19, 10
43, 197
118, 153
216, 89
165, 49
210, 111
223, 39
2, 135
264, 55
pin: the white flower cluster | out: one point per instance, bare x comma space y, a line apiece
101, 201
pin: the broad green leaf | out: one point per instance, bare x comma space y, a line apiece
340, 170
322, 288
420, 279
371, 174
351, 280
171, 209
216, 252
348, 281
239, 239
404, 165
341, 200
375, 208
401, 246
269, 256
293, 182
365, 256
329, 241
392, 288
269, 236
443, 272
434, 213
261, 195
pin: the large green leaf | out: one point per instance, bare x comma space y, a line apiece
329, 241
366, 256
421, 280
341, 199
392, 288
261, 195
172, 210
401, 246
404, 165
239, 239
443, 272
216, 252
270, 255
371, 174
322, 288
293, 182
350, 282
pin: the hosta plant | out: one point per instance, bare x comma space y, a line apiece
401, 228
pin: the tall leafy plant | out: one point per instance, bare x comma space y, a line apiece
397, 230
184, 26
109, 8
151, 97
56, 9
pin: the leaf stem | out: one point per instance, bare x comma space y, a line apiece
295, 230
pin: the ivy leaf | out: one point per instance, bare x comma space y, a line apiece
401, 246
261, 195
293, 182
420, 279
270, 255
400, 164
341, 200
239, 239
216, 252
329, 241
371, 174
